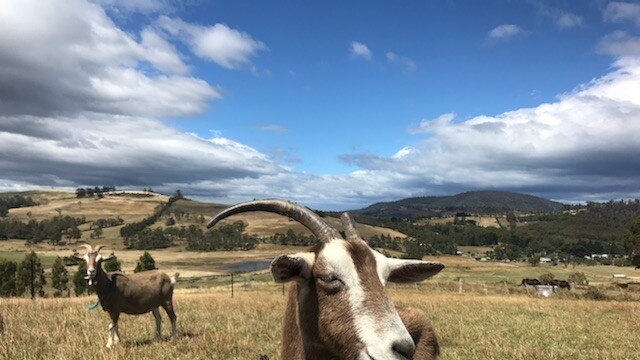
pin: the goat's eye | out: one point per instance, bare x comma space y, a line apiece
328, 278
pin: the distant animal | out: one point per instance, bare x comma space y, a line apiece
133, 294
532, 282
562, 284
337, 306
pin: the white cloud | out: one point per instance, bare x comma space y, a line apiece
619, 43
407, 64
360, 50
161, 54
430, 125
96, 99
70, 57
567, 20
504, 31
622, 11
219, 43
585, 145
562, 19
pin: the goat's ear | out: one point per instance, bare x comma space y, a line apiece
298, 266
410, 271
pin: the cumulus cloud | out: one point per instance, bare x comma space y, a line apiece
407, 64
82, 103
219, 43
619, 43
622, 11
585, 145
562, 19
70, 57
504, 31
429, 125
139, 6
358, 49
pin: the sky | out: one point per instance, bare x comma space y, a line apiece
333, 104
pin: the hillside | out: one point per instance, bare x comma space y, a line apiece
480, 202
133, 206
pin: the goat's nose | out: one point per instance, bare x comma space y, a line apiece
404, 347
91, 271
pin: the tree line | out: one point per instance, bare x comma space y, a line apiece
94, 191
52, 230
14, 201
130, 230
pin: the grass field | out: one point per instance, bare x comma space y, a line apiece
211, 325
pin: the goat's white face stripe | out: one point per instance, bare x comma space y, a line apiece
376, 330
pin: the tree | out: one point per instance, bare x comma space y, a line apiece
178, 195
79, 283
73, 233
8, 270
31, 275
96, 233
145, 263
80, 193
59, 278
632, 242
113, 264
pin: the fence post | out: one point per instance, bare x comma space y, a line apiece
282, 289
460, 285
232, 285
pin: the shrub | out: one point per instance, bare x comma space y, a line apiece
145, 263
547, 278
578, 278
594, 293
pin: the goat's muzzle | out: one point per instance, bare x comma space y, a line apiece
91, 273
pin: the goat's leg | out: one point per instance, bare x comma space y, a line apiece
422, 333
156, 315
168, 307
114, 337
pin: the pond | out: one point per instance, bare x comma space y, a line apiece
246, 266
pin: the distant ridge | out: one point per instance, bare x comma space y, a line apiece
482, 202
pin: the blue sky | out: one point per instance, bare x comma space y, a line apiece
333, 104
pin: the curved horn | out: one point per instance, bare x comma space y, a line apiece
88, 247
97, 248
349, 227
297, 212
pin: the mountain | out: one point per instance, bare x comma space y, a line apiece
482, 202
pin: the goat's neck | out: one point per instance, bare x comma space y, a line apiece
300, 338
102, 282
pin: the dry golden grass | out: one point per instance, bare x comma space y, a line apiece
129, 208
211, 325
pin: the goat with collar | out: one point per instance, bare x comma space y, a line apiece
134, 294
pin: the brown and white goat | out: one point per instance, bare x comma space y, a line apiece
133, 294
337, 307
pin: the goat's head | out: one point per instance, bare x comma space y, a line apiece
342, 296
94, 260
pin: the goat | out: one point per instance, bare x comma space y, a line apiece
337, 306
134, 294
562, 284
530, 282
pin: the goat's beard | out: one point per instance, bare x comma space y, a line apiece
89, 280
